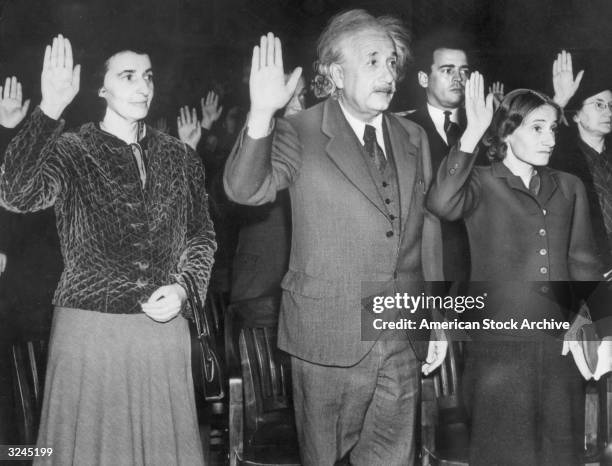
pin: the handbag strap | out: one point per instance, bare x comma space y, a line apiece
195, 302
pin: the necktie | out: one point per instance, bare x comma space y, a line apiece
451, 129
534, 183
373, 149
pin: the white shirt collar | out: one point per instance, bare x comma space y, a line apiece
359, 127
437, 116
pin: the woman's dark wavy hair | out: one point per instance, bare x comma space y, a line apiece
509, 116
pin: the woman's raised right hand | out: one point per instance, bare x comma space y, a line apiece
59, 81
478, 110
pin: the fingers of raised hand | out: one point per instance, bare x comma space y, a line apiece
563, 63
13, 93
12, 90
212, 99
181, 116
269, 52
59, 54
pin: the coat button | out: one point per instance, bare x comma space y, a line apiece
543, 270
385, 184
452, 171
387, 201
543, 252
544, 289
389, 234
542, 232
544, 211
391, 217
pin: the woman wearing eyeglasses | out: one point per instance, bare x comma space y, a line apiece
584, 149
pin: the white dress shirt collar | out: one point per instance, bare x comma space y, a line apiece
359, 127
437, 116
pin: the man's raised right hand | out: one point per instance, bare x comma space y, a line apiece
268, 89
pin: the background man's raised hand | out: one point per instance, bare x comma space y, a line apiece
268, 89
60, 80
211, 110
189, 129
12, 109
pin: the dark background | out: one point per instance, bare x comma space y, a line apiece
200, 44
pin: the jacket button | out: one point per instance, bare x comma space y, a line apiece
543, 252
543, 270
452, 171
391, 217
387, 201
385, 184
544, 289
542, 232
544, 211
389, 234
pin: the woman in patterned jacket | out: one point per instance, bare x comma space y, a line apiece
132, 217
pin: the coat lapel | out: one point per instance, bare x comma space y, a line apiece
346, 152
548, 187
405, 155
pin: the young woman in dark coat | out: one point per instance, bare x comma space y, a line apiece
529, 234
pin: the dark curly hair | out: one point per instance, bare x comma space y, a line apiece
509, 116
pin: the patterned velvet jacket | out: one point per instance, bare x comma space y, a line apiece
119, 241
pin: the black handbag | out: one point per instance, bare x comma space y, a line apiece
211, 372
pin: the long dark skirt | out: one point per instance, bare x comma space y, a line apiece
526, 402
119, 391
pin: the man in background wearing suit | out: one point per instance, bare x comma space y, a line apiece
442, 67
357, 178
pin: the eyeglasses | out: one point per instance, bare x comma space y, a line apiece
600, 105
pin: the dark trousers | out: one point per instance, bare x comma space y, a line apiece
526, 403
366, 411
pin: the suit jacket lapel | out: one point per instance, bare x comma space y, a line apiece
429, 127
346, 152
405, 155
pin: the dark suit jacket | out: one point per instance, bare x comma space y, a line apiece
262, 254
340, 224
518, 240
455, 244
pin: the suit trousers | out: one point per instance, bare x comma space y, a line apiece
527, 404
366, 411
